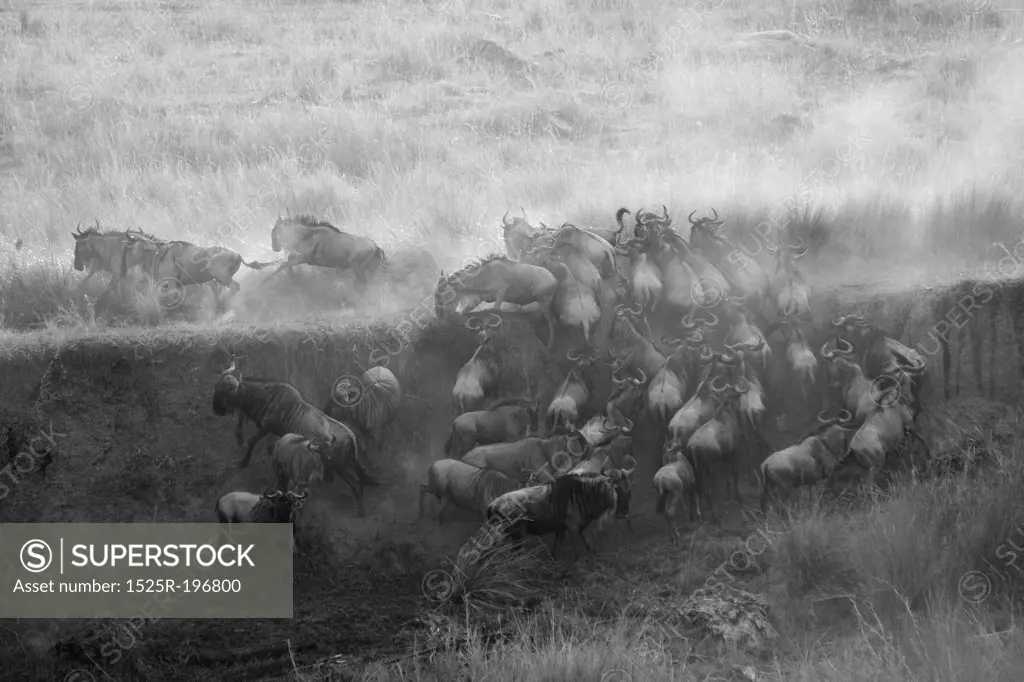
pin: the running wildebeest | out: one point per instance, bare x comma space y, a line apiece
317, 242
278, 408
499, 280
101, 251
273, 506
181, 264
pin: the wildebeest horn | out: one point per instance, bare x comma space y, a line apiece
615, 374
504, 219
706, 355
271, 494
687, 322
636, 309
629, 425
773, 250
628, 470
573, 356
847, 348
672, 343
492, 320
620, 309
844, 417
474, 323
231, 368
664, 210
715, 212
730, 358
594, 355
642, 379
690, 218
822, 419
708, 318
695, 339
713, 385
298, 496
740, 391
839, 321
639, 216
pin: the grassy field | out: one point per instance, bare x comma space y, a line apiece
879, 129
886, 133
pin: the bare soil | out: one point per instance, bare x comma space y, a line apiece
142, 443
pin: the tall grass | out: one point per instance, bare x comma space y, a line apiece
898, 120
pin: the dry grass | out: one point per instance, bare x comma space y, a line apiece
895, 123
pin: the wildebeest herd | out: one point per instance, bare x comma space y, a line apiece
173, 265
682, 327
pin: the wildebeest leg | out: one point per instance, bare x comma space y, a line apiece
239, 429
357, 488
252, 444
440, 509
424, 491
291, 261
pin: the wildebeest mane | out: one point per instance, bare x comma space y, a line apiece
493, 484
310, 221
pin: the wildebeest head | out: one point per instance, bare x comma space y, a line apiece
284, 507
93, 247
840, 366
704, 233
622, 482
518, 234
319, 446
628, 393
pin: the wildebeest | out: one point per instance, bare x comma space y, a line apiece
503, 421
524, 458
789, 290
631, 348
369, 406
278, 408
499, 280
184, 263
570, 503
746, 276
814, 458
801, 359
675, 483
620, 411
719, 441
317, 242
273, 506
575, 304
573, 394
100, 251
856, 392
464, 485
299, 460
477, 380
518, 234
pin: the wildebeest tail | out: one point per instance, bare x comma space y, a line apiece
659, 507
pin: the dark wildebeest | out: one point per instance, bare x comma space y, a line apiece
299, 460
530, 457
273, 506
317, 242
503, 421
464, 485
499, 280
368, 403
477, 380
278, 408
181, 264
675, 483
569, 503
747, 277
